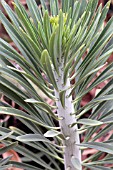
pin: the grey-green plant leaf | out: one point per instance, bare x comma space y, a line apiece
61, 48
8, 147
32, 137
22, 114
52, 133
76, 163
5, 136
53, 49
42, 105
4, 161
104, 147
88, 122
45, 59
23, 165
98, 167
62, 95
6, 166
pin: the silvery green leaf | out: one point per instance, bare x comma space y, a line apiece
52, 133
76, 163
88, 122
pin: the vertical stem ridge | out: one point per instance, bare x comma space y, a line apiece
70, 133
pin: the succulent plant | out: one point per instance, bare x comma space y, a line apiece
51, 43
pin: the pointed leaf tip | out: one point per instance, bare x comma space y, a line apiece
46, 62
51, 133
43, 56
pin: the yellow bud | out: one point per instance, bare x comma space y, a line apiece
108, 4
14, 4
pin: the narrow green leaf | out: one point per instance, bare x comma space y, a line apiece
76, 10
32, 138
97, 167
4, 161
52, 133
11, 53
32, 156
106, 74
19, 100
33, 80
89, 122
21, 80
35, 11
11, 13
13, 87
62, 97
42, 36
36, 49
82, 78
8, 147
19, 40
43, 106
104, 131
6, 136
53, 49
103, 161
60, 34
82, 7
5, 167
46, 25
24, 19
43, 4
23, 165
31, 101
66, 70
22, 114
54, 8
104, 147
45, 59
93, 7
38, 146
103, 14
65, 5
99, 44
94, 102
70, 40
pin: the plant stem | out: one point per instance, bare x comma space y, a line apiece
70, 133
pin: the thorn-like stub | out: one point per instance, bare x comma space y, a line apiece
57, 99
63, 85
57, 80
75, 130
67, 138
70, 125
74, 142
71, 114
67, 96
61, 118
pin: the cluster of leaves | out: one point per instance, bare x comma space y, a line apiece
44, 41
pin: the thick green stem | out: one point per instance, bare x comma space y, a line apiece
70, 133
